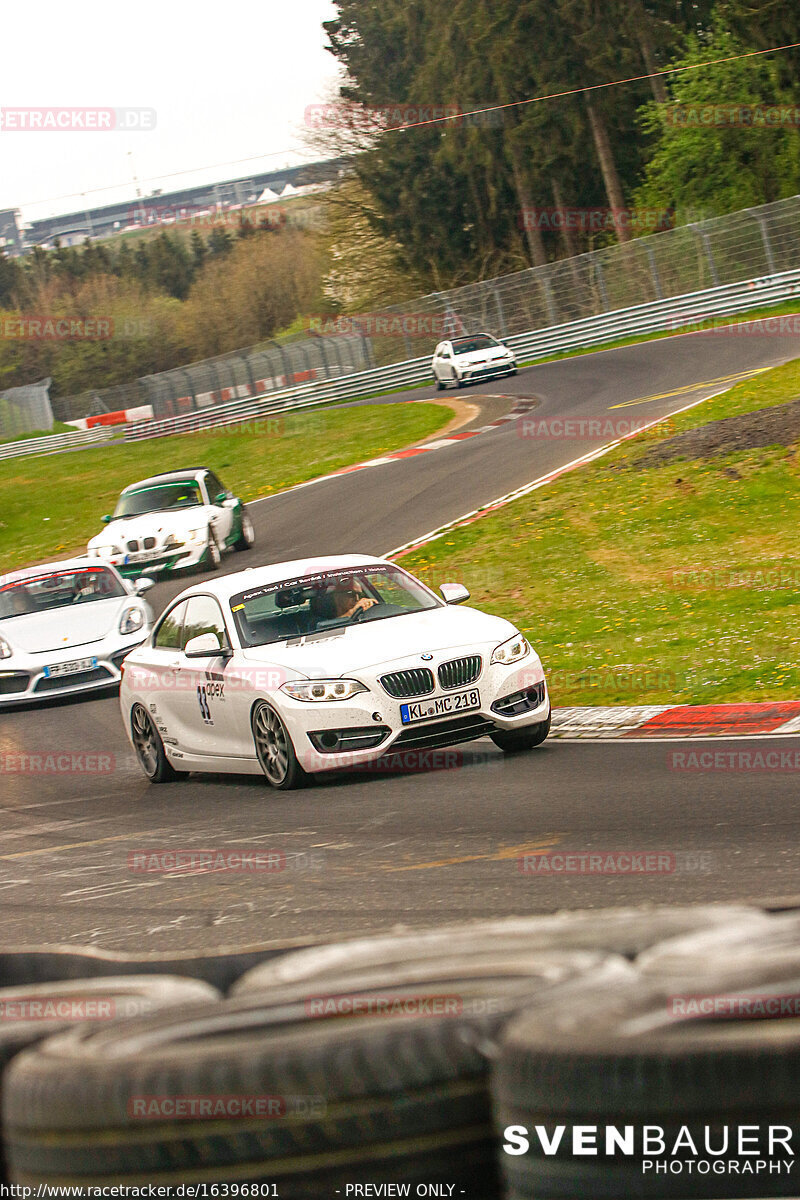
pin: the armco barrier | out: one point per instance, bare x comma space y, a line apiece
660, 315
56, 442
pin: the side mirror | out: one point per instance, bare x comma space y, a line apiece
454, 593
143, 584
220, 497
106, 519
205, 645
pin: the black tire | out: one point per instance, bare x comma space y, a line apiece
734, 950
512, 741
397, 1099
247, 535
630, 1057
439, 384
275, 750
213, 555
150, 749
89, 1001
459, 381
622, 931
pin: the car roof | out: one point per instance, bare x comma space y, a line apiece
188, 475
241, 581
65, 564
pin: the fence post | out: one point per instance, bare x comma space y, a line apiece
501, 316
654, 272
705, 241
762, 224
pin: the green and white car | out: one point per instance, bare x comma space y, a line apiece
180, 521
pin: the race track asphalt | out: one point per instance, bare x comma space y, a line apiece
372, 851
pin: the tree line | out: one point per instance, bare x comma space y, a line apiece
469, 198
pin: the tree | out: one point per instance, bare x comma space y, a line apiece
718, 168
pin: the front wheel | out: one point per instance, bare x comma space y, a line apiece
512, 741
150, 749
213, 555
439, 384
247, 534
275, 751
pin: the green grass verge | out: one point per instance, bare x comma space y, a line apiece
672, 584
50, 505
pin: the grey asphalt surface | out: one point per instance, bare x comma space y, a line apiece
375, 850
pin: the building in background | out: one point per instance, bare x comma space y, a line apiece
10, 233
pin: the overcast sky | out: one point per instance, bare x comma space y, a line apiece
227, 82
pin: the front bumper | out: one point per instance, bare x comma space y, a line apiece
23, 678
156, 562
374, 713
488, 370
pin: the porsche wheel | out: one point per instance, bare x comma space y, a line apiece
275, 751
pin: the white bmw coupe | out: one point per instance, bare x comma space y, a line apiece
325, 664
66, 627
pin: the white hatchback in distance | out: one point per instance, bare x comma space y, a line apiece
65, 628
465, 359
325, 664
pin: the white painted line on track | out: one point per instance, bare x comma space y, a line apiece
542, 481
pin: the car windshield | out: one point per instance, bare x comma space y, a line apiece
310, 604
469, 345
58, 589
159, 497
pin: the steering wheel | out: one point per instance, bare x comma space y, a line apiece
358, 615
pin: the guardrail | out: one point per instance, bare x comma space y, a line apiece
658, 316
54, 443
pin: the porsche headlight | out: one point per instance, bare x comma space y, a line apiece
5, 649
132, 619
321, 690
516, 648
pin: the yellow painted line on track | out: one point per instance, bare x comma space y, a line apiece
539, 847
692, 387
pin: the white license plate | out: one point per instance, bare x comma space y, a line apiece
440, 706
71, 668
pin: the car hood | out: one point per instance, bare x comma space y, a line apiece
155, 524
480, 356
76, 625
439, 631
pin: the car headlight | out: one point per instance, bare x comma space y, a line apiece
5, 649
197, 535
105, 551
132, 619
323, 689
512, 651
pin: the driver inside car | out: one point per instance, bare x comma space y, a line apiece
349, 599
346, 600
